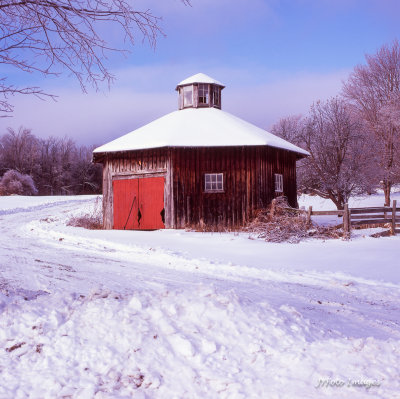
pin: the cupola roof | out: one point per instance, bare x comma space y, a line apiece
200, 78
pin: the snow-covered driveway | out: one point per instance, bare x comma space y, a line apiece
174, 314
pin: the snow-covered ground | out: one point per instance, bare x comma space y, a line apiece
176, 314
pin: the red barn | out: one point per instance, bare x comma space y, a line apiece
198, 165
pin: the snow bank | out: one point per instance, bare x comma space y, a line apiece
201, 343
175, 314
17, 203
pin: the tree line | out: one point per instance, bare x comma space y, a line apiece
51, 38
353, 138
56, 166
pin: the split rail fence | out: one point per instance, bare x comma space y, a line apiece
364, 217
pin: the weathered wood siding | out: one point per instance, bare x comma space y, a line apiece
249, 183
132, 165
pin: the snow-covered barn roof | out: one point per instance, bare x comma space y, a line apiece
200, 78
197, 127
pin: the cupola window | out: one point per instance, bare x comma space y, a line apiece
216, 96
199, 91
203, 94
188, 96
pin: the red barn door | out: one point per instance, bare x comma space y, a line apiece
126, 204
151, 203
139, 204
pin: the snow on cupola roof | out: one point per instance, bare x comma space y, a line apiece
199, 78
199, 91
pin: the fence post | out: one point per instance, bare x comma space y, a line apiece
346, 222
349, 217
393, 226
309, 212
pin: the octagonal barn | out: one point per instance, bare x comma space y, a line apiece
193, 167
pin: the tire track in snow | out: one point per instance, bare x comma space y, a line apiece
109, 265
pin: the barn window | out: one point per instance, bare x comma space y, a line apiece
203, 94
188, 96
214, 182
278, 183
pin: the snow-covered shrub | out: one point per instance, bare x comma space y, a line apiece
14, 182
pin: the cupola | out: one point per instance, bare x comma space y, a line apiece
199, 91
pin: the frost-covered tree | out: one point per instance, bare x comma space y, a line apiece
289, 128
19, 150
339, 165
374, 91
14, 182
65, 168
57, 165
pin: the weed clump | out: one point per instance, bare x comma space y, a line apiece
92, 220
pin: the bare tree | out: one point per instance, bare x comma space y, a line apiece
86, 174
20, 150
49, 36
374, 91
338, 166
57, 165
289, 128
292, 129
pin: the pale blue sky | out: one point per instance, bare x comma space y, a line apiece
275, 58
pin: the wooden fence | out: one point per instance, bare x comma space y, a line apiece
364, 217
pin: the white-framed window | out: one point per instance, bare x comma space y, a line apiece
188, 96
214, 182
203, 93
278, 183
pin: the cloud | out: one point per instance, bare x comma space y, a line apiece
89, 119
266, 103
144, 94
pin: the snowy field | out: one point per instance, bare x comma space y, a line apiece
175, 314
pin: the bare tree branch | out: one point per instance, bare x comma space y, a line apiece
53, 36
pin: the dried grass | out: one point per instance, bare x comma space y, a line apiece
92, 220
277, 223
281, 223
203, 227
